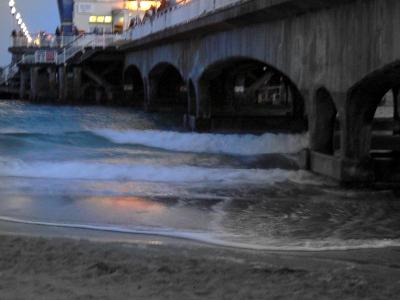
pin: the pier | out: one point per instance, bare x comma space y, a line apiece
324, 67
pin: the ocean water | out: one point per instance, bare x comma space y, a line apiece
119, 169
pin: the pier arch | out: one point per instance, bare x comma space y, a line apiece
134, 87
243, 92
167, 89
371, 142
363, 100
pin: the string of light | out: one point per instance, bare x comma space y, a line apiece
20, 22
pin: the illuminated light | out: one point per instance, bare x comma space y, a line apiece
18, 16
19, 21
36, 42
11, 3
141, 5
13, 10
100, 19
108, 19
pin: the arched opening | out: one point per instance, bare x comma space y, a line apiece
372, 123
167, 89
133, 87
324, 123
243, 93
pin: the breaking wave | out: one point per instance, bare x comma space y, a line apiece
147, 173
236, 144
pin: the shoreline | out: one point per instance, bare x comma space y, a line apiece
183, 237
80, 264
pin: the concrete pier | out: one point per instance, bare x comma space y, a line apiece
279, 66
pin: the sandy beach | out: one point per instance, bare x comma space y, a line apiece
55, 263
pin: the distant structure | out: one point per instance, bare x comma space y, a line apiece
66, 8
108, 16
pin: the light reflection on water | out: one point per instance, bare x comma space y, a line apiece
57, 170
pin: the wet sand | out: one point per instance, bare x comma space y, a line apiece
55, 263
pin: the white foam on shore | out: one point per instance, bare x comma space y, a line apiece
308, 245
145, 173
236, 144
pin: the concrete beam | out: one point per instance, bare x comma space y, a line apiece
249, 12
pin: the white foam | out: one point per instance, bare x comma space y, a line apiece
146, 173
7, 130
308, 245
237, 144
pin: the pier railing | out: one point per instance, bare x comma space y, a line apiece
46, 41
69, 46
178, 15
39, 57
8, 72
86, 41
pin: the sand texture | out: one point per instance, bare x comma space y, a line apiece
59, 268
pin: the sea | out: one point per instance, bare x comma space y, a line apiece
122, 170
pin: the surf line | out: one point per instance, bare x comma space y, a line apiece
204, 238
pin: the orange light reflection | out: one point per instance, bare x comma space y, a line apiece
129, 204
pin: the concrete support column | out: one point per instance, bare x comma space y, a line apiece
150, 95
62, 84
199, 116
355, 146
52, 93
396, 111
77, 84
24, 77
34, 89
321, 119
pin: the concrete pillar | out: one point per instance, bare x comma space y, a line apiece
321, 119
151, 94
149, 97
24, 77
62, 84
99, 95
355, 145
52, 93
199, 117
77, 84
34, 89
396, 111
192, 98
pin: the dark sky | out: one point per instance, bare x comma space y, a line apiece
37, 14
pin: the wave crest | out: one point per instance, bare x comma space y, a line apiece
150, 173
235, 144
